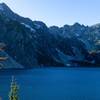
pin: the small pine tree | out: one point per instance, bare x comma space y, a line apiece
13, 95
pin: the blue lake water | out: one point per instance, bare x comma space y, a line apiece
53, 83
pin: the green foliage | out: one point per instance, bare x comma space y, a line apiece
13, 95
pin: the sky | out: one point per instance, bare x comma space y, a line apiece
58, 12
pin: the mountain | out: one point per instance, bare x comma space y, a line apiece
32, 44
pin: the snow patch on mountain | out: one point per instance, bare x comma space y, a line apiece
27, 26
66, 59
37, 26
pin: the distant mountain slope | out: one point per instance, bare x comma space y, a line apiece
32, 44
9, 62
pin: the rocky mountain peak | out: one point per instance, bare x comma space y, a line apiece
4, 7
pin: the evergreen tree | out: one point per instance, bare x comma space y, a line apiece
13, 95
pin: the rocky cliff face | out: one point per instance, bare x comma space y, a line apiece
32, 44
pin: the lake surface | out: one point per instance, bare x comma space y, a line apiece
53, 83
